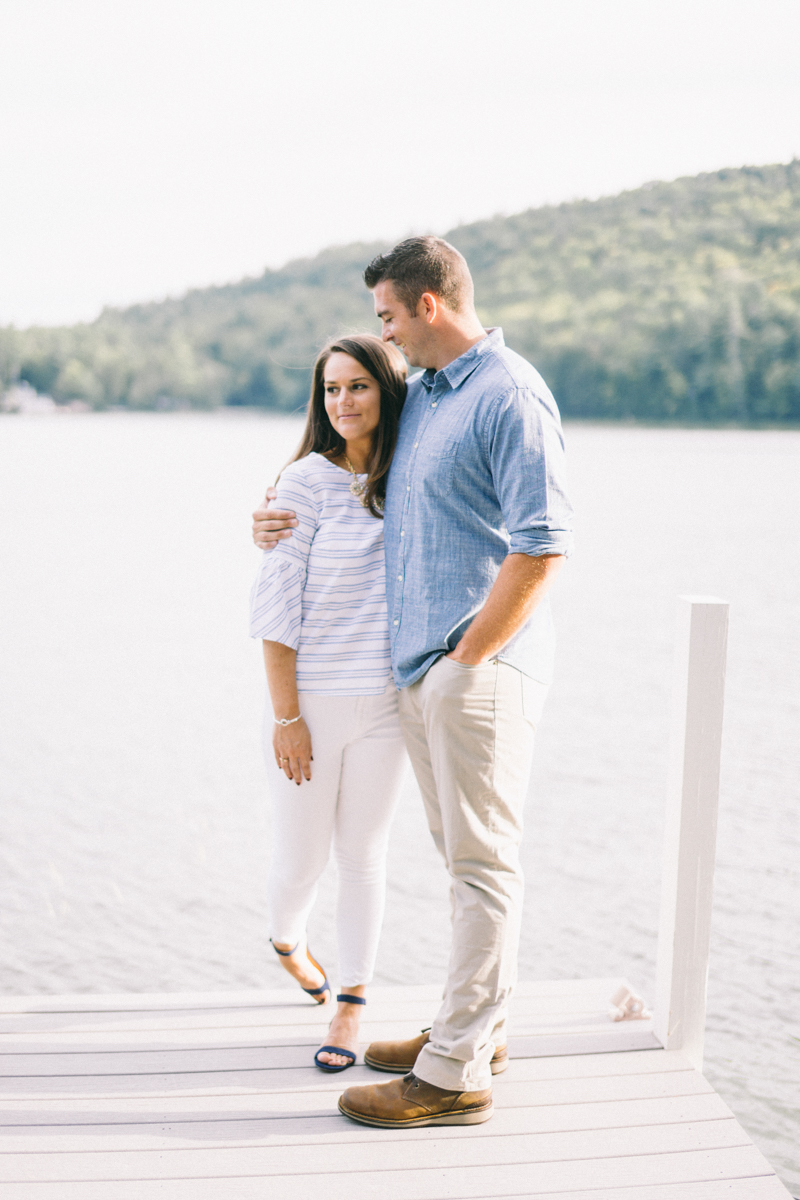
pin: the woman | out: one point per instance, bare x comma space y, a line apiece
319, 606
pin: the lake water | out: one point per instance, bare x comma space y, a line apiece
135, 831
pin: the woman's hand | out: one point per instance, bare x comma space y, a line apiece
291, 743
292, 746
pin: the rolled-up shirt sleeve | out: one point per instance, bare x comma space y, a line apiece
276, 599
526, 453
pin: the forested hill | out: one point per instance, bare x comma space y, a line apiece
677, 301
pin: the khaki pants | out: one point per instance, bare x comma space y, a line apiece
469, 733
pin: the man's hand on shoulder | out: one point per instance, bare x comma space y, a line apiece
271, 524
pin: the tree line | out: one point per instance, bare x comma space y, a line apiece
676, 301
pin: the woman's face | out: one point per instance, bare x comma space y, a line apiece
352, 398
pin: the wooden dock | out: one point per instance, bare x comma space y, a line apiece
214, 1097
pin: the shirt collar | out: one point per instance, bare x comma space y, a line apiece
457, 371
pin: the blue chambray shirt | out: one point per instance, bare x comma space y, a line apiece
478, 473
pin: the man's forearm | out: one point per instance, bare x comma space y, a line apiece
521, 584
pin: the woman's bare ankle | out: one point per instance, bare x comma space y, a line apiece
298, 965
343, 1029
359, 990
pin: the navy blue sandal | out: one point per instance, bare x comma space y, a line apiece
318, 993
333, 1067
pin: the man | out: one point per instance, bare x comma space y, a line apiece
477, 526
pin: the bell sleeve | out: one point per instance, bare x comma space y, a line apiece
276, 600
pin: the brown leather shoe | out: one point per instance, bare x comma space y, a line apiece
401, 1056
408, 1102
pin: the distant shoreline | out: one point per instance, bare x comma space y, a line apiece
238, 411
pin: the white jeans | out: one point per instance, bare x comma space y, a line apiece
469, 732
356, 775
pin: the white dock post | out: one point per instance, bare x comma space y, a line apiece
691, 825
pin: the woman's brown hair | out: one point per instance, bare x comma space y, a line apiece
388, 368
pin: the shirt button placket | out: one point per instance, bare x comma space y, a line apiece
401, 577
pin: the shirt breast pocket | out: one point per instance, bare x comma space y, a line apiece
445, 466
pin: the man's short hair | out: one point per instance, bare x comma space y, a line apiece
424, 264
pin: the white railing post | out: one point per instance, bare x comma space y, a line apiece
691, 825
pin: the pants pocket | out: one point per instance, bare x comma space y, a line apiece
467, 668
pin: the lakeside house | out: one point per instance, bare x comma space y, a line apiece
24, 399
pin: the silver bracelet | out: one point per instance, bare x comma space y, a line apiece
283, 720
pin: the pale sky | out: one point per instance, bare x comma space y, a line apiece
156, 145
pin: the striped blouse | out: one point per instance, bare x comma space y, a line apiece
322, 591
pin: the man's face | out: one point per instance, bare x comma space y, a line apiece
411, 332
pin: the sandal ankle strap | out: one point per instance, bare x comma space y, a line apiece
348, 999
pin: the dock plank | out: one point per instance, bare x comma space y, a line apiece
92, 1161
144, 1131
187, 1059
750, 1188
287, 1032
303, 1011
293, 1091
761, 1188
562, 1067
411, 1183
